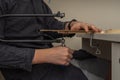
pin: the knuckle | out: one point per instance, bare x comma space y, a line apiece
66, 49
65, 58
66, 54
71, 56
92, 26
63, 63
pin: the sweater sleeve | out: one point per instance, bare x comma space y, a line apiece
51, 22
12, 56
16, 58
54, 24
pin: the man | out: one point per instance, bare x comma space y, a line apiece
35, 61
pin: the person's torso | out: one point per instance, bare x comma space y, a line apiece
22, 28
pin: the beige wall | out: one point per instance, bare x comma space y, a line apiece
103, 13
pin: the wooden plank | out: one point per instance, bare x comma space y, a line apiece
67, 31
111, 31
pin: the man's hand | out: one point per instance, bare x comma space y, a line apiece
76, 26
56, 55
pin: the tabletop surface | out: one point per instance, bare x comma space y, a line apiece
107, 37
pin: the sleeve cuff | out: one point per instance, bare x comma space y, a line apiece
28, 60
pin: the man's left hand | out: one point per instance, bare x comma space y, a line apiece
76, 26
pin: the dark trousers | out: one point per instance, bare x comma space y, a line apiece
51, 72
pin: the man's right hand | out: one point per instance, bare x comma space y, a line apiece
56, 55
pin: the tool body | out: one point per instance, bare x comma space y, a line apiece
64, 32
58, 14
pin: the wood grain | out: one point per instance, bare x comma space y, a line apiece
111, 31
67, 31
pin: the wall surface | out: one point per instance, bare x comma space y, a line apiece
105, 14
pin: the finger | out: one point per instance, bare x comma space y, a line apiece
85, 27
75, 28
94, 28
67, 63
68, 60
99, 30
71, 51
70, 56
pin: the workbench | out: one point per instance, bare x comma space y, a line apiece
109, 45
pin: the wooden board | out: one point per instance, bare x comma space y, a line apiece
67, 31
111, 31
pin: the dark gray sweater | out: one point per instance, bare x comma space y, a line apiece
16, 58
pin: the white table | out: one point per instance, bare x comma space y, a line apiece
109, 44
